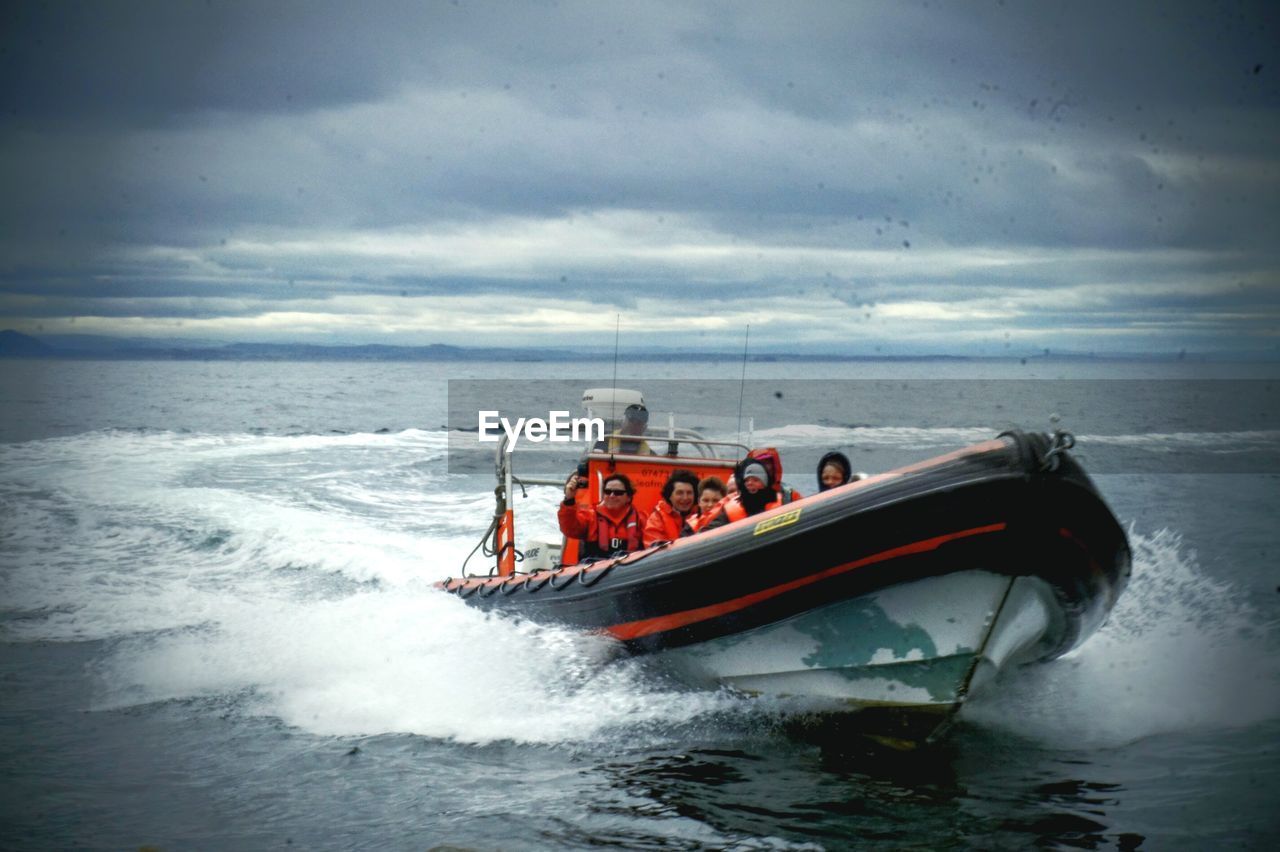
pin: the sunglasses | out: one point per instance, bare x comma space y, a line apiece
614, 492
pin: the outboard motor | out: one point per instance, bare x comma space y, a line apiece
541, 555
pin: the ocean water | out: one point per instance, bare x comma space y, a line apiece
218, 628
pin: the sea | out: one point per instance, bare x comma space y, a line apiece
219, 628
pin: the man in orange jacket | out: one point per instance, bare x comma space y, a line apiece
611, 527
672, 517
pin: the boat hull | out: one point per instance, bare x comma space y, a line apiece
912, 645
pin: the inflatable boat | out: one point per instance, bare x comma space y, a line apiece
893, 598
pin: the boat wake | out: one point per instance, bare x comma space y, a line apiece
410, 661
291, 578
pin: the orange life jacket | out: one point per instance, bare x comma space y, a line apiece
600, 534
666, 524
735, 511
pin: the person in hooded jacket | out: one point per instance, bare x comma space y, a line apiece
611, 527
834, 470
672, 517
760, 488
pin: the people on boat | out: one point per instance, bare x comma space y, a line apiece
760, 488
611, 527
635, 420
675, 513
834, 470
711, 490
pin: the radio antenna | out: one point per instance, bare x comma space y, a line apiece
742, 389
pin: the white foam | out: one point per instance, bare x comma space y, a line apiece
412, 661
1180, 651
904, 437
120, 532
290, 577
1222, 442
924, 438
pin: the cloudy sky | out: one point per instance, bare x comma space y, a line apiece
992, 177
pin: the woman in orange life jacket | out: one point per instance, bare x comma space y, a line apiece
760, 488
611, 527
675, 513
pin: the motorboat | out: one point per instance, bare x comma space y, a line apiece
892, 599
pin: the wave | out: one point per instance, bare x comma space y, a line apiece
412, 661
1180, 651
924, 438
122, 532
291, 576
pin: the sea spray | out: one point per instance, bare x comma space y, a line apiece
1181, 651
411, 661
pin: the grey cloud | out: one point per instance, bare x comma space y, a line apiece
1031, 129
148, 62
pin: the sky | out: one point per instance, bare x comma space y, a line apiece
921, 177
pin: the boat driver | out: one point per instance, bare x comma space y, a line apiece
611, 527
635, 420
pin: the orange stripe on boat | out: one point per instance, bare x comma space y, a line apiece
663, 623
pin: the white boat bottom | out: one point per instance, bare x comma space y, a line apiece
925, 644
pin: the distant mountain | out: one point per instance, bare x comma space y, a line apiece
85, 346
14, 344
376, 352
94, 343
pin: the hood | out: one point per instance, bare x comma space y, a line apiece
772, 462
766, 456
840, 459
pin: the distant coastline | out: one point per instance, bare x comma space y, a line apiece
16, 345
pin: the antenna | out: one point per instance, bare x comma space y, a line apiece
742, 389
